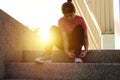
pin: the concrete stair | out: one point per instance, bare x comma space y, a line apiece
94, 56
99, 65
63, 71
17, 79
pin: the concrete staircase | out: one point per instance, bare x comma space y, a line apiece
99, 65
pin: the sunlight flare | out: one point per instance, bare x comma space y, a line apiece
44, 36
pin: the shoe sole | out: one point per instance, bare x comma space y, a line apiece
78, 61
42, 62
39, 62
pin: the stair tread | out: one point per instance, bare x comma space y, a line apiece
60, 63
94, 56
18, 79
63, 71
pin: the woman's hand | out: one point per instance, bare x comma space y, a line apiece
71, 55
83, 54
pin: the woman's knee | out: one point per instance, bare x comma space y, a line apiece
53, 29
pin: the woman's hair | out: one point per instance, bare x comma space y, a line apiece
68, 7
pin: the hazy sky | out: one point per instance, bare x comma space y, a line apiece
34, 13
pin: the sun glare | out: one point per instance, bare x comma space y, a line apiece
44, 36
37, 14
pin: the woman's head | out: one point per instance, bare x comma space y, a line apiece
68, 7
68, 10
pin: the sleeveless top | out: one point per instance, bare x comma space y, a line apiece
68, 27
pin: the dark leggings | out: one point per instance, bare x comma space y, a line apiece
76, 38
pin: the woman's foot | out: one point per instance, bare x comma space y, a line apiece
43, 60
78, 60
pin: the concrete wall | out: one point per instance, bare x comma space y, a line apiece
14, 38
117, 22
108, 41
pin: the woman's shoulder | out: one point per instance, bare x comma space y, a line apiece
61, 20
79, 17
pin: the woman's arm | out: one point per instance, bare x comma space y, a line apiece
65, 42
84, 53
86, 43
66, 45
86, 40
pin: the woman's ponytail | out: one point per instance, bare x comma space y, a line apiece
68, 7
69, 0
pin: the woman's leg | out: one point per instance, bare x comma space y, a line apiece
55, 39
77, 39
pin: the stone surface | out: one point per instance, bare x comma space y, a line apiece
94, 56
103, 56
30, 55
2, 69
63, 71
18, 79
14, 38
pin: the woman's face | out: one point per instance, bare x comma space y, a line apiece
70, 16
